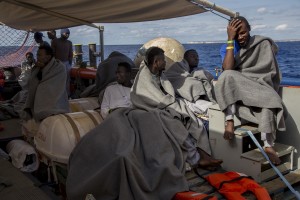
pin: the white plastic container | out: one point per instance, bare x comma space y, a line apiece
58, 135
18, 150
82, 104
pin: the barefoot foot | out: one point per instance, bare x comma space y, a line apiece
207, 162
229, 130
272, 155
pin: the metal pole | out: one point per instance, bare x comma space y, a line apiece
101, 42
209, 5
92, 55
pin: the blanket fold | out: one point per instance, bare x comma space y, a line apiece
253, 85
133, 154
191, 86
47, 96
146, 94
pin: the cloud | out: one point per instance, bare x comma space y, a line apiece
222, 29
258, 26
83, 30
281, 27
261, 10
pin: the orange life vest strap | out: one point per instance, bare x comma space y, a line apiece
233, 180
236, 185
193, 196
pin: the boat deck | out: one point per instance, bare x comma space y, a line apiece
276, 188
12, 130
15, 185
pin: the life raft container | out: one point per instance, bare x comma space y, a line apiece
58, 135
82, 104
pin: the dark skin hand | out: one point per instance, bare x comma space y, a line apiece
233, 27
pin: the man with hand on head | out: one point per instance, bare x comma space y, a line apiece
248, 87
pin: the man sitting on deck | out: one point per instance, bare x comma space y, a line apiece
152, 90
106, 74
46, 90
193, 84
249, 85
118, 95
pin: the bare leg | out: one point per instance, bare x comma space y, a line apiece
229, 130
272, 155
207, 162
229, 123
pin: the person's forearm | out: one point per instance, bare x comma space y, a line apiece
228, 62
232, 28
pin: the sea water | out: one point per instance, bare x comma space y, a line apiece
288, 56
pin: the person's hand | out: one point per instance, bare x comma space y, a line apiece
232, 28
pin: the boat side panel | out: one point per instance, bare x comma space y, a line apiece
291, 99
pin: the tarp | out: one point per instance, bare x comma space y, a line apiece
38, 15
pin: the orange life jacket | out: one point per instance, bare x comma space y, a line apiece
232, 185
193, 196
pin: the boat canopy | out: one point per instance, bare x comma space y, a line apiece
42, 15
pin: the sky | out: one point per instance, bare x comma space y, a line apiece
277, 19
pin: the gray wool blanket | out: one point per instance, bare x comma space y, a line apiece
191, 86
133, 154
253, 85
47, 96
146, 94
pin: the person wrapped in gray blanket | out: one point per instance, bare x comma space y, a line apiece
193, 84
152, 90
248, 87
47, 93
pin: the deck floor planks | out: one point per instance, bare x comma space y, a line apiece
277, 185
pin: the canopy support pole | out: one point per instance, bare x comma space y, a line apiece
101, 42
211, 6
